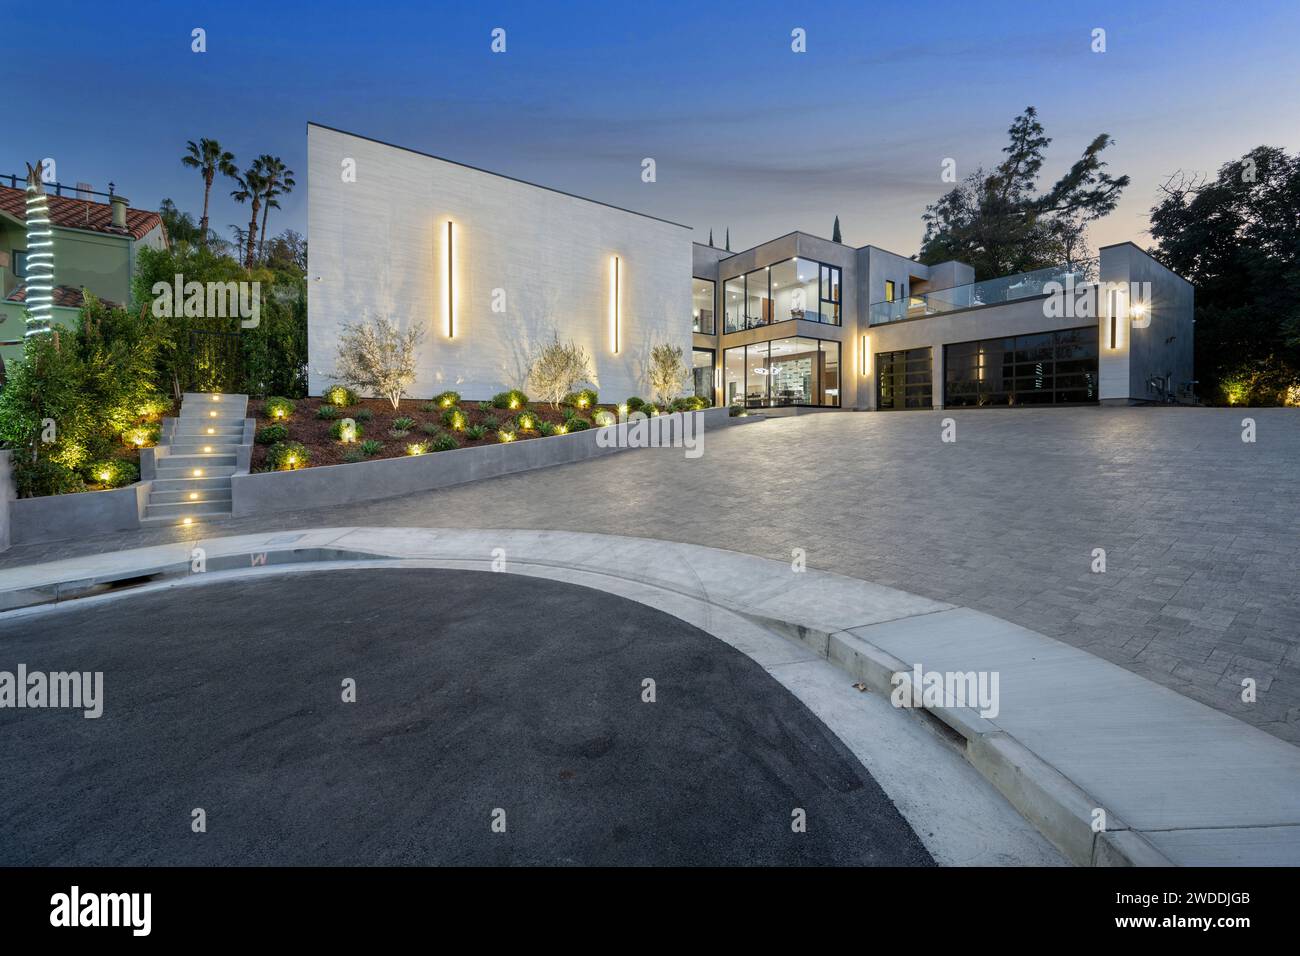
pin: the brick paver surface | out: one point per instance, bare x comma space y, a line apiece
1201, 530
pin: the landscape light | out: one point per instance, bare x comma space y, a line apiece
198, 472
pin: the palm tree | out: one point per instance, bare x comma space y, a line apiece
208, 158
252, 185
279, 182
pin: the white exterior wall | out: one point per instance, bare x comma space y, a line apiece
376, 248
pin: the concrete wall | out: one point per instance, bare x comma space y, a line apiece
1162, 348
7, 495
276, 491
60, 517
377, 248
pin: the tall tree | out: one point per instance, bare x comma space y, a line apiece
252, 186
728, 238
999, 223
208, 158
279, 182
710, 236
1237, 238
835, 231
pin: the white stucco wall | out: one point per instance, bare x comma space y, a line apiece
376, 248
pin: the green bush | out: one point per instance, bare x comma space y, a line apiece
688, 403
475, 432
430, 428
455, 419
445, 399
737, 411
578, 424
490, 422
443, 442
370, 447
278, 408
583, 398
336, 430
327, 413
485, 406
526, 421
340, 396
111, 473
270, 434
603, 417
512, 399
649, 410
35, 479
363, 415
405, 423
288, 456
546, 428
353, 457
634, 404
570, 413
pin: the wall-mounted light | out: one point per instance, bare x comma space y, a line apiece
1116, 310
451, 280
615, 268
864, 356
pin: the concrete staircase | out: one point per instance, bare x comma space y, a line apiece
202, 451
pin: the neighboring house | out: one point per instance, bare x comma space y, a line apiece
492, 266
96, 239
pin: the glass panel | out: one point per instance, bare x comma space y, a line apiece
702, 306
829, 393
758, 307
756, 375
793, 371
1043, 368
733, 376
733, 293
702, 373
904, 379
1002, 289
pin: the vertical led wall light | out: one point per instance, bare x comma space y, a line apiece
451, 280
40, 256
1114, 317
615, 267
864, 356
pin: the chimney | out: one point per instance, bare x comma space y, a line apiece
119, 204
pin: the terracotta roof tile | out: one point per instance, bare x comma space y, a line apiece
64, 295
80, 213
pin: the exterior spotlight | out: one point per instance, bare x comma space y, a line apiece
188, 521
198, 472
194, 496
212, 431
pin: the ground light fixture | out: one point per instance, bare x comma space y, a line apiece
198, 472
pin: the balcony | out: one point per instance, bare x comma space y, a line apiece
737, 323
1023, 285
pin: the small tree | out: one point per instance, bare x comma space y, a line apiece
557, 369
378, 358
667, 372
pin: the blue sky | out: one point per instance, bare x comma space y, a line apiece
744, 132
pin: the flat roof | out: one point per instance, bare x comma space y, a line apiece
479, 169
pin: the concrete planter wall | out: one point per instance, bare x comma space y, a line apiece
59, 517
329, 485
6, 495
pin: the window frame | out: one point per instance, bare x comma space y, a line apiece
766, 343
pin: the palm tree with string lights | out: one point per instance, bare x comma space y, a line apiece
208, 158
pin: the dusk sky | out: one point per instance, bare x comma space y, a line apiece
745, 133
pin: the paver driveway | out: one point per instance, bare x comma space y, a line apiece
1201, 530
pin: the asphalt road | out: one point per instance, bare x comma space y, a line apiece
475, 692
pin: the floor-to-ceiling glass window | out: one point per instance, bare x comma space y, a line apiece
702, 306
733, 304
1045, 368
758, 299
702, 373
795, 291
830, 294
904, 379
789, 371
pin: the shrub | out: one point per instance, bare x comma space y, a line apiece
430, 428
417, 448
35, 479
570, 413
445, 399
404, 423
546, 428
578, 424
341, 396
557, 368
353, 457
455, 419
688, 403
370, 447
648, 410
490, 422
143, 435
378, 358
288, 456
278, 408
583, 398
512, 399
527, 421
485, 406
737, 411
346, 430
327, 413
634, 403
604, 417
505, 435
444, 442
363, 415
475, 432
271, 434
112, 473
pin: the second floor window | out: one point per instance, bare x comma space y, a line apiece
20, 264
702, 306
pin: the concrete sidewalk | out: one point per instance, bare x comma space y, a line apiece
1178, 781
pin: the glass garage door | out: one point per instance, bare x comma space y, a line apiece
904, 380
1046, 368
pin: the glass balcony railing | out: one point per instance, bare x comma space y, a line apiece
1023, 285
738, 323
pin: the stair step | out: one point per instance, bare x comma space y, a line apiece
191, 460
166, 473
211, 447
201, 433
184, 509
181, 496
200, 420
201, 485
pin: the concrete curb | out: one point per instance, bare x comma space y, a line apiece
1059, 809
